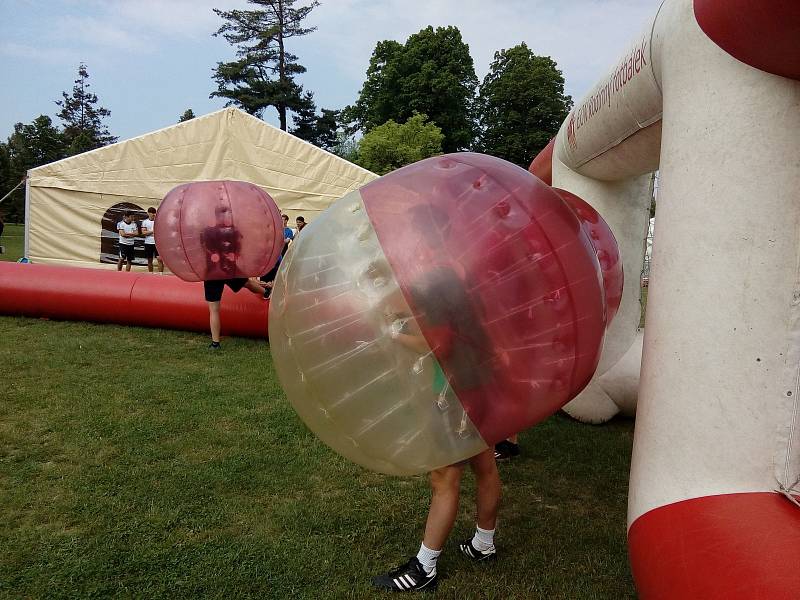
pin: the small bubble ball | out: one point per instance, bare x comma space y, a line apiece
211, 230
436, 311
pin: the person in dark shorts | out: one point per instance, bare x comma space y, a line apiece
213, 292
150, 249
128, 232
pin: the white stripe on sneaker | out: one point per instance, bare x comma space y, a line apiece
399, 583
410, 580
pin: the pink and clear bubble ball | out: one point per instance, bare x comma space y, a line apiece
436, 311
210, 230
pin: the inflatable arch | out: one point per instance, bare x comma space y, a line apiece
709, 96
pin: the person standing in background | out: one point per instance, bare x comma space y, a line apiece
150, 250
128, 232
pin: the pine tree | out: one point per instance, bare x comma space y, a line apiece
83, 121
263, 75
305, 119
187, 115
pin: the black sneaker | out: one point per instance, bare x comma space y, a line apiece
505, 450
214, 346
410, 577
470, 551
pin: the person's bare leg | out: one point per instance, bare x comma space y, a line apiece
213, 320
128, 267
487, 481
160, 265
445, 486
119, 263
150, 264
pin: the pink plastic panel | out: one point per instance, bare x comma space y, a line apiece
605, 245
211, 230
503, 280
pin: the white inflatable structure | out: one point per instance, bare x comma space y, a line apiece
709, 96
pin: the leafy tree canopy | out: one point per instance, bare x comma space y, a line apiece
31, 145
263, 74
390, 146
521, 104
431, 74
83, 120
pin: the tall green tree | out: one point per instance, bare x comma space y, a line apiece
5, 175
305, 119
327, 127
321, 130
432, 74
263, 74
31, 145
390, 146
82, 118
521, 105
187, 115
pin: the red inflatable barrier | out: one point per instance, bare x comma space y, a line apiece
726, 547
141, 299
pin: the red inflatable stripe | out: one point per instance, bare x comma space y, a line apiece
542, 165
764, 34
141, 299
727, 547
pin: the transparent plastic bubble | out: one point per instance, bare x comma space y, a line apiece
211, 230
488, 316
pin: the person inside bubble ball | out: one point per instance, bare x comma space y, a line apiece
222, 243
443, 307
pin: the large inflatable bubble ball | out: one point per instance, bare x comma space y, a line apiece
209, 230
605, 246
436, 311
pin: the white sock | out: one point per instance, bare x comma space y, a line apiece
483, 539
427, 558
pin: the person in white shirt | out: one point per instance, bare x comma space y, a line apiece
150, 250
128, 232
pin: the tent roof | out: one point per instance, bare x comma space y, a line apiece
227, 144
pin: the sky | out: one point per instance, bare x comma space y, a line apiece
150, 60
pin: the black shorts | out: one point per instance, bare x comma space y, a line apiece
214, 289
150, 251
126, 251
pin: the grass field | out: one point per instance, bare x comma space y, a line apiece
136, 463
14, 241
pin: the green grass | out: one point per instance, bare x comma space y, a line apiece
14, 241
136, 463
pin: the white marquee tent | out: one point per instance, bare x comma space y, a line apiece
72, 205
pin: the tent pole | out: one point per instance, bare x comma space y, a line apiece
27, 215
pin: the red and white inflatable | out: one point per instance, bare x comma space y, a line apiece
709, 96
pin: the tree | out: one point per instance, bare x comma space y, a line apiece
187, 115
305, 119
328, 129
319, 130
390, 146
431, 74
521, 104
30, 146
346, 146
83, 121
263, 74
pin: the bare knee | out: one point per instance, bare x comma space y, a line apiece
446, 481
